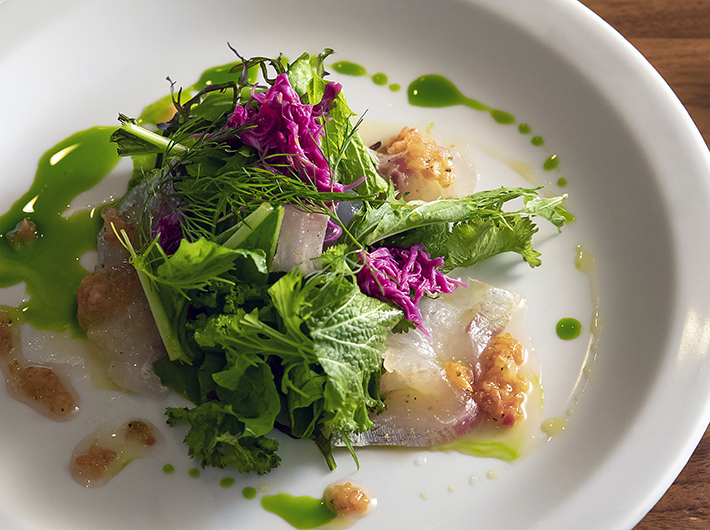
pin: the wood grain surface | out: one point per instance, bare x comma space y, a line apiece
674, 35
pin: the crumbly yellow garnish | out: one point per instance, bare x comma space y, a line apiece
501, 386
417, 154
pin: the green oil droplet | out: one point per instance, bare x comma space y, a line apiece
551, 163
302, 512
537, 140
49, 265
436, 91
194, 472
348, 68
222, 74
502, 117
394, 87
569, 328
379, 78
561, 182
524, 128
168, 469
227, 482
158, 111
249, 492
163, 109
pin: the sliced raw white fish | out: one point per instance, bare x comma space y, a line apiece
421, 169
418, 419
461, 325
300, 240
492, 316
130, 342
115, 313
427, 383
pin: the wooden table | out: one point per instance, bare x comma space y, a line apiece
674, 35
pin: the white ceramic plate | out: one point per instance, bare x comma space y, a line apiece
636, 169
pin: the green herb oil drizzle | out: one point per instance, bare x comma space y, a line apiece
221, 74
569, 328
434, 90
379, 78
227, 482
49, 265
551, 163
302, 512
163, 109
348, 68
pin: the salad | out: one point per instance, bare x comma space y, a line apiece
273, 270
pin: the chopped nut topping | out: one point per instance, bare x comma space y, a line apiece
348, 499
500, 388
419, 155
459, 375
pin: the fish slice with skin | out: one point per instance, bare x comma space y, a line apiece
425, 407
